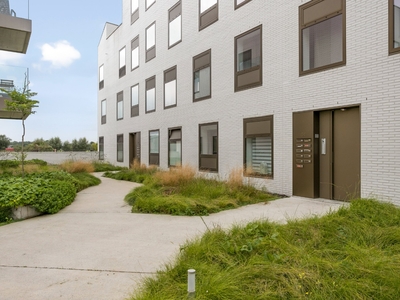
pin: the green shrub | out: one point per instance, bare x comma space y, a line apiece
9, 164
36, 161
100, 166
85, 180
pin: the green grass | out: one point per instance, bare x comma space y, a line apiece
350, 254
102, 166
85, 180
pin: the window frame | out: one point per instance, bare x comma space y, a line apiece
258, 68
122, 68
135, 43
214, 9
148, 6
170, 130
101, 77
120, 101
134, 13
209, 156
201, 66
246, 135
103, 112
155, 156
120, 147
241, 4
303, 25
135, 108
173, 74
170, 20
101, 147
392, 49
150, 50
148, 82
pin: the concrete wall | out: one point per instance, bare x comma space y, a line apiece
55, 157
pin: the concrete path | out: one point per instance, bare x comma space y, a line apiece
96, 249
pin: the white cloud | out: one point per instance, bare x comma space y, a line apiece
10, 58
60, 54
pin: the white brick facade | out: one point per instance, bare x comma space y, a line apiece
370, 79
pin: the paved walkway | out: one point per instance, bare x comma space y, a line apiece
96, 249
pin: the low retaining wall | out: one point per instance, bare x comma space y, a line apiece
56, 158
24, 212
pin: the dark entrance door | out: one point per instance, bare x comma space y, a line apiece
134, 147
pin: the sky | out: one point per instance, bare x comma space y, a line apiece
62, 63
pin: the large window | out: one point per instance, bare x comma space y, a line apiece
134, 10
154, 147
151, 94
170, 87
135, 100
135, 53
103, 112
394, 26
322, 35
122, 63
120, 106
202, 76
208, 146
101, 148
208, 13
149, 3
239, 3
120, 147
175, 25
248, 59
174, 147
101, 77
258, 150
151, 42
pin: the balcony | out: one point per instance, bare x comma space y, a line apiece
15, 26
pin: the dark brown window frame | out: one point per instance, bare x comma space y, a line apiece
173, 73
245, 135
214, 155
171, 10
303, 25
122, 70
169, 142
120, 143
213, 9
155, 92
101, 147
154, 156
135, 108
241, 4
203, 66
148, 7
135, 41
258, 68
101, 81
392, 49
135, 14
103, 117
120, 99
148, 51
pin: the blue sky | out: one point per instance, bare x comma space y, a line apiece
62, 62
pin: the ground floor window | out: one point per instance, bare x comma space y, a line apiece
101, 148
175, 147
208, 147
120, 148
154, 148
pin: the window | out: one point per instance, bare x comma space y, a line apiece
208, 144
101, 77
103, 112
322, 35
135, 100
122, 68
174, 147
258, 146
208, 13
120, 105
394, 26
239, 3
149, 3
151, 94
135, 53
170, 87
120, 147
248, 59
175, 25
151, 42
101, 148
154, 147
202, 76
134, 10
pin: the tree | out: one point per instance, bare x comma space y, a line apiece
75, 145
83, 144
4, 142
21, 101
56, 143
67, 146
39, 145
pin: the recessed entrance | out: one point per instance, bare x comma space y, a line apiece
134, 147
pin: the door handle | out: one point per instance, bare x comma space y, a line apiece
323, 146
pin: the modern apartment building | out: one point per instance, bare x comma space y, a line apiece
304, 95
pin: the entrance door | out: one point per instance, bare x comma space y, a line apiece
339, 153
134, 147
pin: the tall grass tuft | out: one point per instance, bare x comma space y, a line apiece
235, 178
176, 176
77, 166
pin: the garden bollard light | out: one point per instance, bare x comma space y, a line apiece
191, 283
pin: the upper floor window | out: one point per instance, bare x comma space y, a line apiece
101, 77
122, 63
202, 76
134, 10
208, 13
239, 3
248, 59
149, 3
322, 35
175, 25
135, 100
394, 26
170, 87
120, 147
174, 147
103, 112
135, 53
151, 42
208, 144
154, 147
101, 148
120, 105
151, 94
